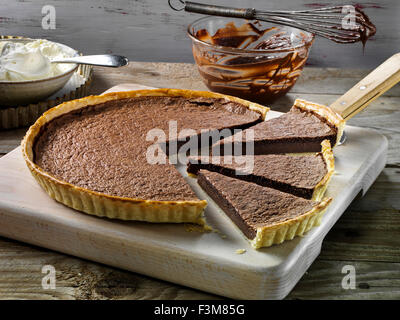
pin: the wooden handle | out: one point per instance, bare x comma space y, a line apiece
368, 89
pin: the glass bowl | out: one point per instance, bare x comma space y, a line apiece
255, 60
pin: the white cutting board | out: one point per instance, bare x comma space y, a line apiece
206, 261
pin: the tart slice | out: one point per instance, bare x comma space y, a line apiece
101, 154
303, 175
265, 216
302, 129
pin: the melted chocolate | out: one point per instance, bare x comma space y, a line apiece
257, 77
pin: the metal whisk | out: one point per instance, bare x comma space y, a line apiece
342, 24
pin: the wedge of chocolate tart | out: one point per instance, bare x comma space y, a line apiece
303, 175
92, 154
302, 129
265, 216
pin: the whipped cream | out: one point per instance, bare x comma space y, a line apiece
31, 61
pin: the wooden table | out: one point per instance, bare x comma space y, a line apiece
367, 236
149, 30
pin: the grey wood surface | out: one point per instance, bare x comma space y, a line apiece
148, 30
366, 236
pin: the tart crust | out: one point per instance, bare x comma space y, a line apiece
331, 117
103, 205
327, 154
287, 230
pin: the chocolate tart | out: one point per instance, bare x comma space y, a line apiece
303, 175
302, 129
265, 216
91, 154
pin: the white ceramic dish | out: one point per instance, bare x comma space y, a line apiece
16, 93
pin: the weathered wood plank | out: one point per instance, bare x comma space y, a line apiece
151, 31
369, 229
374, 280
10, 139
185, 76
20, 271
21, 278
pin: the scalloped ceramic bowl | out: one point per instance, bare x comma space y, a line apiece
17, 93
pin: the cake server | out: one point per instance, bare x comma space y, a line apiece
377, 82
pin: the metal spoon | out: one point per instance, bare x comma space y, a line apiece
5, 49
103, 60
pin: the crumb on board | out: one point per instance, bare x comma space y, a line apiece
223, 236
191, 227
240, 251
203, 228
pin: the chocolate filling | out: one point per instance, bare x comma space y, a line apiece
103, 147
